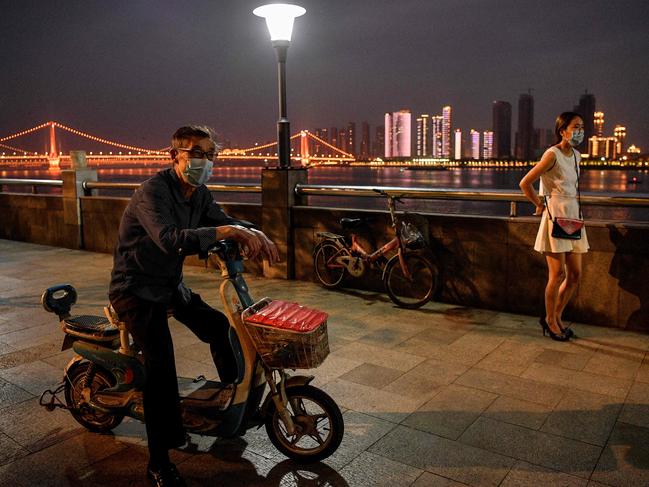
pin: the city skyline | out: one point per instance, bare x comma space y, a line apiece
427, 140
530, 141
131, 72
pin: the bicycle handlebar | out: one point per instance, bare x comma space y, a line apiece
383, 193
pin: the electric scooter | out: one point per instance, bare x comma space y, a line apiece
103, 382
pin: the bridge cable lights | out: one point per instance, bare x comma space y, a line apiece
279, 20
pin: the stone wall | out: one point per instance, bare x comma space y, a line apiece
35, 218
485, 262
489, 262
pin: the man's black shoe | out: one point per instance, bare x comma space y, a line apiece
166, 476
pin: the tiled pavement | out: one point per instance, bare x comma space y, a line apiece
441, 396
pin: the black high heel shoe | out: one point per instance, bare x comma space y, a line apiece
560, 337
567, 331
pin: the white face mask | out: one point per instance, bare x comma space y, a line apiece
576, 138
197, 171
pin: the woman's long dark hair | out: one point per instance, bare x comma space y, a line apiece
562, 123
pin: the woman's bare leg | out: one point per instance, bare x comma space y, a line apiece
556, 275
569, 284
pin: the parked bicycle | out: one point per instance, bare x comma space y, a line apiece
410, 279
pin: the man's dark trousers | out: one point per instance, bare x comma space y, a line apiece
147, 323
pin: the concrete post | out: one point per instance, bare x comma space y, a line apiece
72, 191
277, 200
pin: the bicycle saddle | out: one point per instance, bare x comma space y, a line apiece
349, 223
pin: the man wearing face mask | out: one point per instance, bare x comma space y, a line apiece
170, 216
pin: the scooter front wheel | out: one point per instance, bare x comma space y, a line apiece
319, 425
97, 379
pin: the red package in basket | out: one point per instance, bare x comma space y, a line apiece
289, 316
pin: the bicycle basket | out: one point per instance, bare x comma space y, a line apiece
287, 335
412, 237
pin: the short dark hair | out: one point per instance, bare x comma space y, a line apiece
191, 131
563, 120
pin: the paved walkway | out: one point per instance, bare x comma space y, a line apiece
443, 396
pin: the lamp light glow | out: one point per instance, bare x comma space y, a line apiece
279, 19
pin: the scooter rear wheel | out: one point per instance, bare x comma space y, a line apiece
86, 416
319, 422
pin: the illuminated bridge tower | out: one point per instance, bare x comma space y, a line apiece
54, 153
304, 147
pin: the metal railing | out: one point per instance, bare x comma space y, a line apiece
225, 188
513, 197
89, 185
33, 183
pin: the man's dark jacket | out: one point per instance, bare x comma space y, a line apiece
158, 229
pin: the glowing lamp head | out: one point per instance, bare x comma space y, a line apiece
279, 20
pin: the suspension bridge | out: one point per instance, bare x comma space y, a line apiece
306, 148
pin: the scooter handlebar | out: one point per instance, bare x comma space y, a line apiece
226, 249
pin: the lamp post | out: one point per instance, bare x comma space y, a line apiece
279, 20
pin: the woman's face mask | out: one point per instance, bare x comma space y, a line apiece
197, 171
577, 137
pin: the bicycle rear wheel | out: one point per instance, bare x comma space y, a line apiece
328, 272
410, 291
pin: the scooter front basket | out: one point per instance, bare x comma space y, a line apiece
287, 335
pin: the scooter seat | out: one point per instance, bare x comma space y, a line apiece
92, 327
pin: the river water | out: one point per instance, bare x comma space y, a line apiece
593, 181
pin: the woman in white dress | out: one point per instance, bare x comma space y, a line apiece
559, 174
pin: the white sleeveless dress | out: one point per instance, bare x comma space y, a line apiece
559, 185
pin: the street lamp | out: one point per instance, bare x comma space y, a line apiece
279, 20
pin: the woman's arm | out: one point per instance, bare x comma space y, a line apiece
526, 184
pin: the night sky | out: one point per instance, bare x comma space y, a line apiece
133, 71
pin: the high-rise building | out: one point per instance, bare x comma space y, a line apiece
487, 145
436, 136
475, 144
333, 136
447, 126
598, 124
457, 146
423, 135
605, 147
397, 134
586, 108
351, 138
501, 112
342, 139
365, 149
620, 136
543, 138
378, 146
525, 134
321, 134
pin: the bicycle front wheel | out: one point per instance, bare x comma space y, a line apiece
413, 286
329, 272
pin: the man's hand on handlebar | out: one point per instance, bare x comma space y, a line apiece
252, 242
